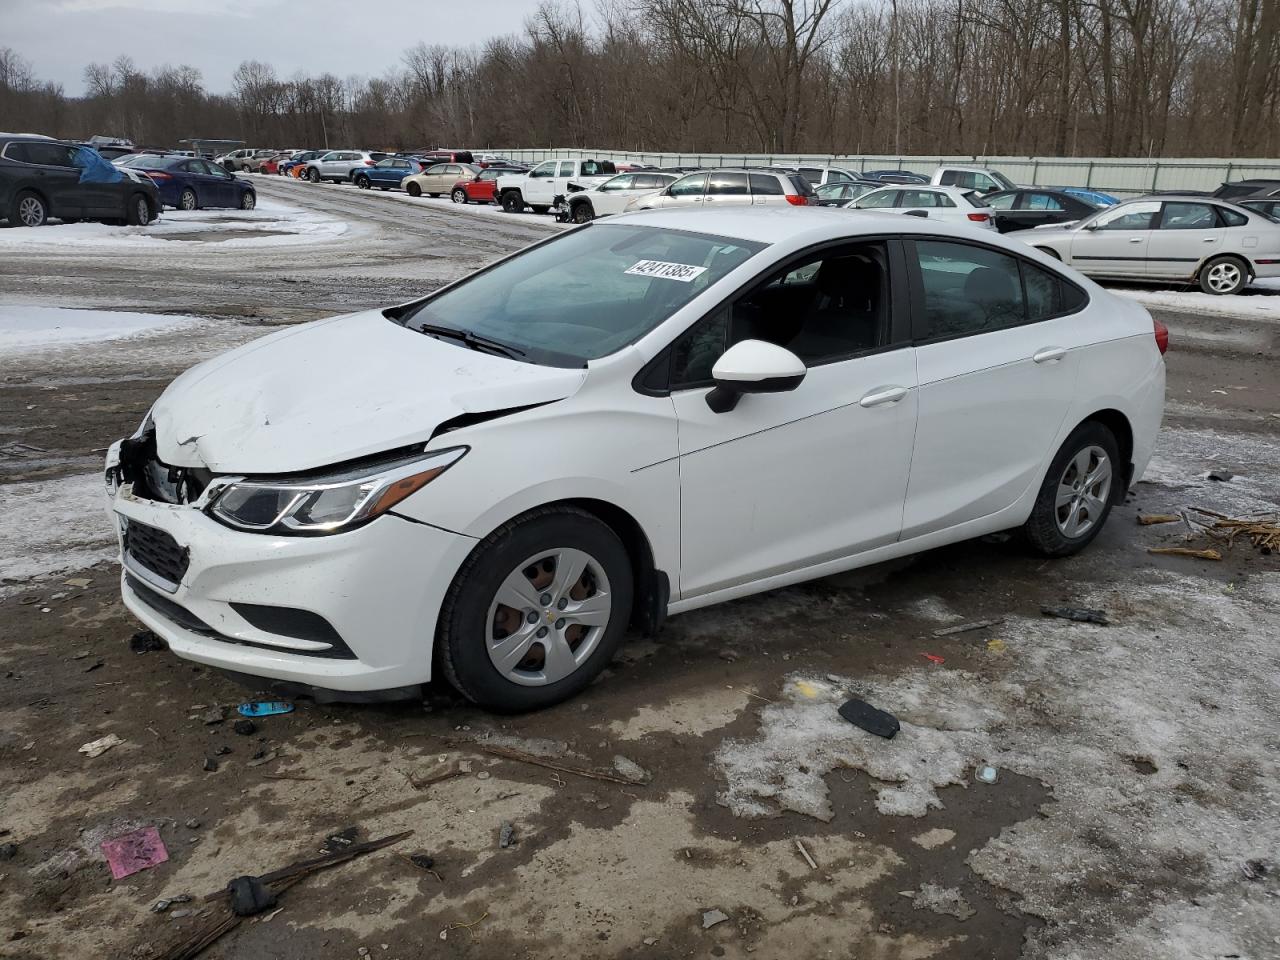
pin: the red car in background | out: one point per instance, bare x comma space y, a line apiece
479, 189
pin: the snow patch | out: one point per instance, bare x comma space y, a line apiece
24, 328
53, 526
1264, 306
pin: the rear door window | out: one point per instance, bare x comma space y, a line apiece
566, 168
1041, 201
919, 198
765, 185
968, 290
882, 199
1188, 216
803, 186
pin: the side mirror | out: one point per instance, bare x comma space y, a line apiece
753, 366
1090, 226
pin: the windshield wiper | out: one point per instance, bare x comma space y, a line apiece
473, 340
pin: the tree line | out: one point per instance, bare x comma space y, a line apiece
898, 77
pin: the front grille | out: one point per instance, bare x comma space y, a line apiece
156, 551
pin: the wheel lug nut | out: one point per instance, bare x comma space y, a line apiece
542, 631
533, 616
562, 603
560, 624
545, 600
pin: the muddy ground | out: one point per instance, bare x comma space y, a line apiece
1137, 771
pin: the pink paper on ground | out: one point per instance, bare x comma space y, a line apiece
131, 852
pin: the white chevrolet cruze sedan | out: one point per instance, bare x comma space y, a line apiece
632, 419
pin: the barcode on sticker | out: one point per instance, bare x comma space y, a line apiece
683, 272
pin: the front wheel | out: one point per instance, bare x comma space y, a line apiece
413, 190
582, 212
537, 610
1078, 491
139, 211
363, 183
248, 200
459, 196
512, 202
1223, 275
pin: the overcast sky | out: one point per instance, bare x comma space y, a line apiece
342, 37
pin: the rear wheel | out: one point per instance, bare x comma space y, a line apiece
313, 175
1223, 275
188, 200
28, 210
1078, 490
537, 610
413, 190
459, 196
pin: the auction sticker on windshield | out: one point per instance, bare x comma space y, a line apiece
684, 272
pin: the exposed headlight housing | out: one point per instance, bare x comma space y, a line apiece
332, 503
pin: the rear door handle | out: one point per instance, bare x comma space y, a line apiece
1049, 354
1136, 239
882, 395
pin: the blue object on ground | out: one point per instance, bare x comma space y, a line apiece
264, 708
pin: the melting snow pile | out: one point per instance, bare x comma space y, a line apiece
33, 328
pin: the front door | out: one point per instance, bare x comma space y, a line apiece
539, 185
1116, 242
790, 480
996, 381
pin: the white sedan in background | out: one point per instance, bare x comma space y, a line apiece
636, 418
1195, 239
612, 196
950, 204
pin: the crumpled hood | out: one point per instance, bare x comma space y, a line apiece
333, 390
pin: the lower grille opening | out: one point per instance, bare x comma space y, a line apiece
156, 551
299, 624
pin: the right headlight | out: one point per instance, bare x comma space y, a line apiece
327, 504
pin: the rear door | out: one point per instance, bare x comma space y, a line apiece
1115, 243
1186, 234
766, 189
728, 189
997, 371
47, 168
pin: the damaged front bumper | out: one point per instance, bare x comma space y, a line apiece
352, 611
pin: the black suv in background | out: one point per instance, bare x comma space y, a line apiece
41, 178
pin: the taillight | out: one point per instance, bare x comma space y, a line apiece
370, 163
1162, 336
979, 217
796, 200
157, 175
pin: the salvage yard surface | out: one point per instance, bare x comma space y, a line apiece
703, 798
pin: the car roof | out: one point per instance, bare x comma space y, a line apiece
800, 226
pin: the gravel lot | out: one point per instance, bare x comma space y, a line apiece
1137, 762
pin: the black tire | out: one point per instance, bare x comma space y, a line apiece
28, 210
363, 183
248, 200
139, 210
313, 175
413, 190
1223, 276
458, 196
1043, 529
1048, 251
188, 200
539, 209
463, 625
512, 201
582, 212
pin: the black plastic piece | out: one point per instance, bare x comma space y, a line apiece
298, 624
657, 597
864, 715
249, 896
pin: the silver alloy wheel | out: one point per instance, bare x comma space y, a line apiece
548, 616
1224, 277
188, 200
1083, 492
248, 201
31, 211
142, 212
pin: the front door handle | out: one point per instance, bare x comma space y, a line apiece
1135, 239
1049, 354
882, 395
1209, 240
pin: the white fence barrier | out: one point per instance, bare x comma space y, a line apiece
1109, 174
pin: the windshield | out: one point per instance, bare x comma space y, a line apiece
586, 294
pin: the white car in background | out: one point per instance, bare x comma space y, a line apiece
982, 179
1195, 239
736, 187
337, 165
635, 418
612, 196
949, 204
